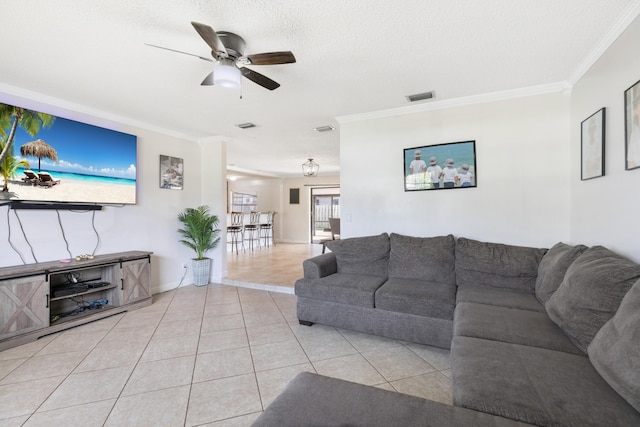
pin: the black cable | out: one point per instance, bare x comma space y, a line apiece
64, 237
9, 239
15, 212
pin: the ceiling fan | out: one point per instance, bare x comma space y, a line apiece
228, 50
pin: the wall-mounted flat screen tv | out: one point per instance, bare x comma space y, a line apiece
54, 159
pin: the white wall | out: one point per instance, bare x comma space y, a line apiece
150, 225
605, 210
213, 187
295, 221
522, 158
268, 191
292, 222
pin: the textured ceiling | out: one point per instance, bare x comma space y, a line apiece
353, 56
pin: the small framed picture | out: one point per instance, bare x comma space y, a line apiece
632, 126
171, 172
592, 146
440, 166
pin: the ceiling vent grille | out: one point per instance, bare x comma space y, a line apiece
246, 125
421, 96
324, 128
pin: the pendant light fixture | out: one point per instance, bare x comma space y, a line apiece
310, 168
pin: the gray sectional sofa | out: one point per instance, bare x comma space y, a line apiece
546, 337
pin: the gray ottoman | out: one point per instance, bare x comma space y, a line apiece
315, 400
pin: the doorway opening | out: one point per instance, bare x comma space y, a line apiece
325, 204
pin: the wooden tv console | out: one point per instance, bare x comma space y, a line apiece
44, 298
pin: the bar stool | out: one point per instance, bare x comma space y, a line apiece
252, 229
235, 230
266, 228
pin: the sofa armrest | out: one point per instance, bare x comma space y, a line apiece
320, 266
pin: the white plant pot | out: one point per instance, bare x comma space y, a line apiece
201, 271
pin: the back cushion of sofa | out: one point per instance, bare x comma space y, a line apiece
497, 265
615, 350
553, 267
590, 293
362, 255
423, 258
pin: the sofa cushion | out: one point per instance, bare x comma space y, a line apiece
615, 350
315, 400
362, 255
391, 324
354, 289
424, 258
535, 385
496, 265
553, 267
499, 297
431, 299
524, 327
590, 293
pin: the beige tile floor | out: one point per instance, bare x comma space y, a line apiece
215, 355
279, 265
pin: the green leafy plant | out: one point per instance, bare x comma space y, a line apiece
200, 231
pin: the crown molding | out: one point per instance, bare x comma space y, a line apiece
52, 105
460, 102
632, 12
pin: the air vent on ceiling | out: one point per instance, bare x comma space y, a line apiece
246, 125
324, 128
421, 96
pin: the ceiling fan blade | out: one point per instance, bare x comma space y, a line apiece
211, 38
179, 51
260, 79
208, 81
272, 58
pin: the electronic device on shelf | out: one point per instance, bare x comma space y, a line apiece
94, 285
64, 291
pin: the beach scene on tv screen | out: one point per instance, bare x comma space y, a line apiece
54, 159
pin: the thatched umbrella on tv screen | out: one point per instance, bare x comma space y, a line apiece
39, 149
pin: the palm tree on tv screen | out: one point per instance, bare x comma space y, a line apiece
31, 121
9, 166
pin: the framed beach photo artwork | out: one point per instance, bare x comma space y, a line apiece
632, 126
592, 146
171, 172
440, 166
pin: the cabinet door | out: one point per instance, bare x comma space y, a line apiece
24, 305
136, 281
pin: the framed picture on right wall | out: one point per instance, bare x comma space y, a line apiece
592, 144
632, 126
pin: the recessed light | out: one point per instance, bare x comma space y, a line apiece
246, 125
324, 128
421, 96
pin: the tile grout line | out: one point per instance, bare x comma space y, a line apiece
117, 399
59, 334
195, 358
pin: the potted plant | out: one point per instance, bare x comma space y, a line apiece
201, 234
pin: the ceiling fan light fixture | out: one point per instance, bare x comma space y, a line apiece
310, 168
227, 75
